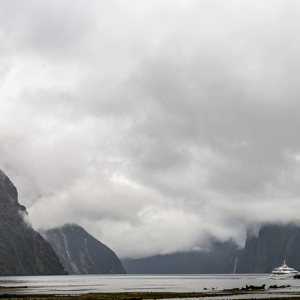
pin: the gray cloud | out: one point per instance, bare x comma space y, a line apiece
152, 124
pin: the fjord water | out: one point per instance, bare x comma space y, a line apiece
79, 284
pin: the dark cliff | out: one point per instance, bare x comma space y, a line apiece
23, 251
81, 253
273, 245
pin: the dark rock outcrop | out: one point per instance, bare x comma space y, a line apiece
273, 245
23, 251
81, 253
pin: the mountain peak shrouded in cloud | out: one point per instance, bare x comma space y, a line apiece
23, 250
153, 125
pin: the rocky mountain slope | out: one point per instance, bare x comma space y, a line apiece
221, 258
273, 245
262, 253
81, 253
23, 251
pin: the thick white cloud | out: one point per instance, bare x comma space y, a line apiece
152, 123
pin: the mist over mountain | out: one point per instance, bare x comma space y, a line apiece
80, 253
274, 244
153, 120
23, 251
219, 259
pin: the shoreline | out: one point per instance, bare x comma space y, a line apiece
257, 294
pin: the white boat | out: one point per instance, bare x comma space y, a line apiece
283, 272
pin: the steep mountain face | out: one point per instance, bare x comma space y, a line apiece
273, 245
81, 253
23, 251
221, 259
262, 253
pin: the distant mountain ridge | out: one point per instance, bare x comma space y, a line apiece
23, 251
81, 253
220, 259
274, 244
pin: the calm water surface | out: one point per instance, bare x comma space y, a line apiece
73, 284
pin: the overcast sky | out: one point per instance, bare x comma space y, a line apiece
152, 123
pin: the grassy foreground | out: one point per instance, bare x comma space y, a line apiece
146, 295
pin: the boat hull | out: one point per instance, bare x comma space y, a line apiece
283, 276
